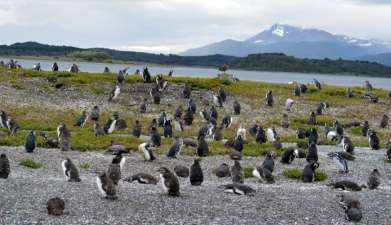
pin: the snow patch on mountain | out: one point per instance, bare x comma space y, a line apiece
279, 31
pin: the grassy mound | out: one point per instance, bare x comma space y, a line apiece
296, 174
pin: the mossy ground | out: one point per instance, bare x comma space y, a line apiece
31, 164
296, 173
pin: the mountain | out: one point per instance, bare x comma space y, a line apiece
384, 58
294, 41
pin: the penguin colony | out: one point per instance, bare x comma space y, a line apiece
108, 181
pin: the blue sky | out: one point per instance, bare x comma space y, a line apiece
171, 26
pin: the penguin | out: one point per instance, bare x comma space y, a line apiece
384, 121
179, 112
121, 75
349, 93
175, 149
192, 106
238, 189
373, 180
253, 130
5, 168
237, 173
106, 186
237, 107
116, 148
202, 148
260, 136
365, 128
222, 171
374, 142
153, 124
188, 118
312, 119
81, 121
51, 142
222, 94
368, 86
147, 150
313, 136
285, 121
106, 70
312, 155
238, 144
269, 98
235, 155
55, 67
196, 175
331, 134
178, 124
346, 185
186, 93
3, 119
167, 131
55, 206
30, 142
296, 90
121, 124
338, 128
142, 178
137, 129
226, 122
70, 171
205, 115
289, 155
156, 96
155, 136
268, 163
288, 104
302, 133
143, 106
318, 84
182, 171
341, 162
114, 170
345, 155
347, 201
98, 129
263, 174
389, 151
95, 113
309, 172
213, 112
110, 124
162, 119
169, 181
217, 101
160, 82
241, 131
347, 145
114, 93
271, 134
353, 214
303, 88
12, 125
146, 75
217, 133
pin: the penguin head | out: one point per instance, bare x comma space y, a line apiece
376, 171
314, 165
3, 156
163, 170
115, 115
117, 159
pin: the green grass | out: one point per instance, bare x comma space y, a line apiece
296, 174
31, 163
84, 166
248, 171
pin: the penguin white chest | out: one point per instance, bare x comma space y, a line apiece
163, 182
112, 127
99, 184
64, 169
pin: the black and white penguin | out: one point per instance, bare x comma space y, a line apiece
137, 129
237, 173
374, 142
312, 155
347, 145
182, 171
348, 201
260, 136
222, 171
238, 189
106, 186
285, 121
302, 133
253, 129
12, 125
178, 112
269, 98
30, 142
338, 128
238, 144
142, 178
55, 67
317, 84
156, 96
205, 115
217, 101
331, 134
155, 136
146, 75
374, 179
235, 155
51, 142
81, 121
226, 122
121, 124
95, 113
384, 121
196, 175
192, 106
313, 136
176, 147
271, 134
213, 112
143, 106
289, 155
368, 86
312, 119
110, 124
161, 83
241, 131
202, 148
114, 93
365, 128
353, 214
3, 119
309, 172
222, 94
114, 170
186, 93
147, 149
263, 174
98, 129
106, 70
388, 154
167, 129
268, 163
217, 134
169, 181
288, 104
340, 161
5, 168
296, 90
345, 155
121, 75
70, 171
346, 185
237, 107
188, 117
178, 124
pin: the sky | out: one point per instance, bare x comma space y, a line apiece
172, 26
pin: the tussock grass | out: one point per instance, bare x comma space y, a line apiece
84, 166
297, 174
31, 163
248, 171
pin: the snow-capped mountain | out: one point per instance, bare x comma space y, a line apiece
295, 41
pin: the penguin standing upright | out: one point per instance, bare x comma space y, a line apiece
202, 147
95, 113
313, 136
81, 121
63, 137
98, 129
192, 106
268, 163
196, 175
70, 171
155, 136
222, 94
110, 124
146, 75
238, 144
349, 93
178, 124
374, 141
106, 186
365, 128
121, 75
5, 169
318, 85
156, 96
338, 128
12, 125
115, 167
30, 142
114, 93
147, 150
178, 112
309, 172
388, 151
143, 106
175, 148
347, 145
384, 121
312, 119
226, 122
213, 112
288, 104
188, 118
137, 129
374, 179
237, 173
260, 136
167, 131
186, 93
237, 107
169, 181
312, 155
285, 121
341, 162
269, 98
3, 119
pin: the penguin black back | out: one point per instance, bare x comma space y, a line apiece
5, 169
237, 173
312, 155
30, 142
196, 175
309, 172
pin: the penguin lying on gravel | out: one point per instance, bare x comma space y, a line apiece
352, 207
239, 189
169, 181
289, 155
55, 206
222, 171
70, 171
142, 178
182, 171
346, 185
